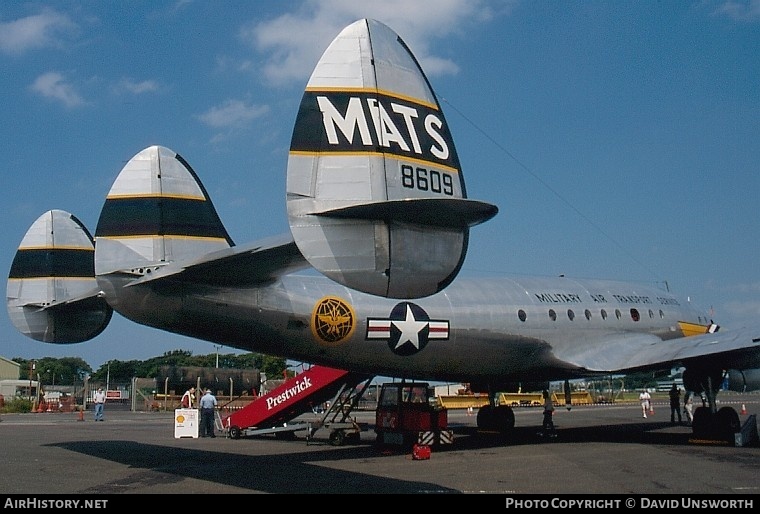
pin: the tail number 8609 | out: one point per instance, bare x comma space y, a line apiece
427, 180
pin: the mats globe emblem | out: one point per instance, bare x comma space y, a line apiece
333, 321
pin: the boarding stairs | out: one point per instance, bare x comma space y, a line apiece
277, 411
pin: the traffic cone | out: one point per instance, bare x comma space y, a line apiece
80, 415
651, 410
469, 410
744, 409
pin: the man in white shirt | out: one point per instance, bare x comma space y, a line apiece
99, 399
645, 398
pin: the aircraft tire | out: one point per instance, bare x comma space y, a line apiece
702, 423
727, 424
503, 419
486, 418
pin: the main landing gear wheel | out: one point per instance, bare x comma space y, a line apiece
723, 425
701, 423
727, 424
485, 418
499, 419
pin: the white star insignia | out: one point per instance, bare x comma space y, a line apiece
410, 329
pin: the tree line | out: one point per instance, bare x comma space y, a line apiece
70, 371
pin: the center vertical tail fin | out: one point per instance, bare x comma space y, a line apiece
375, 193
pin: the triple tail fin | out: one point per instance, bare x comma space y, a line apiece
52, 294
157, 213
376, 197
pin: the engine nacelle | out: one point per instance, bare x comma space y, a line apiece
744, 381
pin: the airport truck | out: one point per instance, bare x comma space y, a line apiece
409, 414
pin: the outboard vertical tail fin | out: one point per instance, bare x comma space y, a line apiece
156, 212
52, 295
375, 194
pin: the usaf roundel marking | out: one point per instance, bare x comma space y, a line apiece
408, 329
333, 321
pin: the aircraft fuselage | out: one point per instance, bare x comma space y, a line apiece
510, 327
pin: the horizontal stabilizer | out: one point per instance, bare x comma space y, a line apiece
435, 212
253, 264
87, 296
52, 295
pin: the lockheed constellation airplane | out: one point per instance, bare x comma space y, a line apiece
376, 202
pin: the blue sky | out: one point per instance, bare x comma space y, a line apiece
619, 139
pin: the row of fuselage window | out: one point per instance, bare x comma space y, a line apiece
635, 314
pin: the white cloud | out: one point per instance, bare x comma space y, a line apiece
36, 31
52, 85
294, 41
233, 113
131, 86
747, 10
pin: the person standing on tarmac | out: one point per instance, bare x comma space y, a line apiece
99, 399
208, 408
688, 406
675, 404
548, 423
188, 399
645, 398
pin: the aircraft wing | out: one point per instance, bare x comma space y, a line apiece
633, 351
255, 263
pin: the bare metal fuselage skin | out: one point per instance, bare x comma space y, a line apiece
480, 333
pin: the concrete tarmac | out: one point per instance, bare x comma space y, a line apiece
600, 449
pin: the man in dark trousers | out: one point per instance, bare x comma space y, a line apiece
548, 423
208, 407
675, 404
